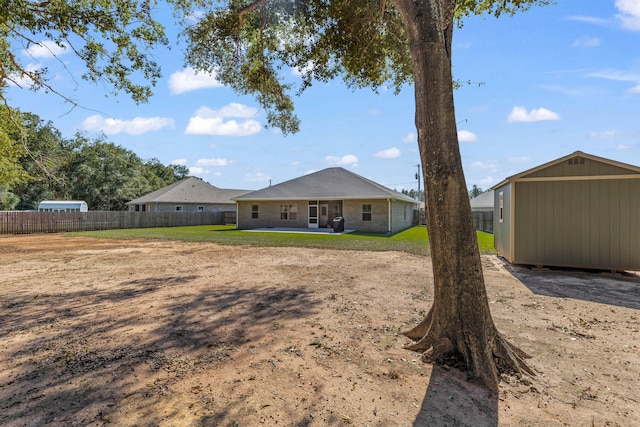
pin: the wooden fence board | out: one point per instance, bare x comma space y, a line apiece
26, 222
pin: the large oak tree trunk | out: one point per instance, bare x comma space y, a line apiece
459, 321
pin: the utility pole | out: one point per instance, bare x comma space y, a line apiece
418, 177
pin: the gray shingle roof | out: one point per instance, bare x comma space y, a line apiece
190, 190
484, 200
327, 184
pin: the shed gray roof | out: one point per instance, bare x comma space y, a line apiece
482, 201
327, 184
190, 190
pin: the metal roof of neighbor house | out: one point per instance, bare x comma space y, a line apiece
483, 201
327, 184
523, 174
190, 190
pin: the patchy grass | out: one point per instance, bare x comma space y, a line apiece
414, 240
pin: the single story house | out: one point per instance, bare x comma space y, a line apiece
577, 211
187, 195
482, 209
63, 206
314, 200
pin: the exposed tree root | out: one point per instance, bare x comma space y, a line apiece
485, 359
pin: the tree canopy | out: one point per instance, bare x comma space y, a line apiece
95, 170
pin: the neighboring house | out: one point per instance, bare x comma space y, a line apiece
577, 211
187, 195
482, 209
63, 206
314, 200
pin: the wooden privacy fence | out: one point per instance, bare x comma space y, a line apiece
23, 222
483, 221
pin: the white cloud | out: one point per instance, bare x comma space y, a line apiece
520, 114
23, 81
213, 162
588, 19
188, 80
487, 181
491, 165
586, 42
390, 153
347, 160
46, 49
194, 170
299, 72
623, 147
211, 122
178, 162
409, 138
523, 159
629, 15
467, 136
607, 134
618, 75
135, 126
257, 177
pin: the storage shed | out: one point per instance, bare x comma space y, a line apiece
579, 211
63, 206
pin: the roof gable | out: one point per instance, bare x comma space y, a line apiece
574, 165
189, 190
330, 183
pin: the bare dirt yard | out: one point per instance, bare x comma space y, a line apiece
157, 333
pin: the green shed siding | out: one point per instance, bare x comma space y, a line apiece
578, 211
584, 224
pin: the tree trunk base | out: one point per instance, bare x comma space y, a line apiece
485, 358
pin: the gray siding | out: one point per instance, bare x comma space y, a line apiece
502, 230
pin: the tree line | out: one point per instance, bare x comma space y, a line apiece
44, 165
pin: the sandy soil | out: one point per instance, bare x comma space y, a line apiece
152, 333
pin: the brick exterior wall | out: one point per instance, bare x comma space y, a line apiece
269, 215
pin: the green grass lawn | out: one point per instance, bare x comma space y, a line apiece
414, 240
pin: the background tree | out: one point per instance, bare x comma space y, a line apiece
11, 151
97, 171
475, 191
375, 43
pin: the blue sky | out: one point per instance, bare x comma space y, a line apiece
544, 84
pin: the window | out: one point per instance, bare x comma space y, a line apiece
501, 206
254, 211
178, 208
137, 208
289, 212
366, 212
200, 208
